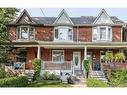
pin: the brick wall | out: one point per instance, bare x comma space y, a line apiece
44, 33
85, 33
116, 34
31, 51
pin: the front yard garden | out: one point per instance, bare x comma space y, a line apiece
11, 79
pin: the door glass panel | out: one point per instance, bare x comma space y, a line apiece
76, 60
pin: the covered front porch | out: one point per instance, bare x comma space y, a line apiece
68, 56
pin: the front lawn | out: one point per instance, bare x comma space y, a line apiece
48, 84
96, 83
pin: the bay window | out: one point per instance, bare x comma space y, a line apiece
57, 56
102, 33
63, 33
25, 33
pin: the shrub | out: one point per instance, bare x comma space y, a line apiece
20, 81
108, 56
50, 76
37, 68
86, 65
95, 83
2, 73
117, 78
119, 57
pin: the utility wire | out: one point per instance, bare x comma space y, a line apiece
42, 12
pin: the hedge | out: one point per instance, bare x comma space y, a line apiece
2, 73
96, 83
19, 81
117, 78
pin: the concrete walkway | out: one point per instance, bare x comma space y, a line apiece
80, 84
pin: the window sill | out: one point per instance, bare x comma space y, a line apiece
63, 40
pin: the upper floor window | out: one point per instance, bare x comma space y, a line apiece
63, 33
102, 33
25, 33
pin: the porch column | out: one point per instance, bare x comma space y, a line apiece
38, 52
85, 52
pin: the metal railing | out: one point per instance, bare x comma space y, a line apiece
49, 65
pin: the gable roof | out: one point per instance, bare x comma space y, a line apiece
76, 20
83, 20
65, 16
103, 12
24, 12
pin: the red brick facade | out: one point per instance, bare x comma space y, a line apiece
116, 33
84, 33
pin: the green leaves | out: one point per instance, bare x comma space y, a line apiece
86, 65
6, 15
119, 57
20, 81
37, 68
108, 56
118, 78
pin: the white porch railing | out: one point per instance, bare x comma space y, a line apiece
49, 65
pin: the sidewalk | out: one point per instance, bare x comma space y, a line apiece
80, 84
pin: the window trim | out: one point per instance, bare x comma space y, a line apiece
63, 27
18, 33
58, 61
98, 34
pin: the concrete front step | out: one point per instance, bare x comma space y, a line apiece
99, 75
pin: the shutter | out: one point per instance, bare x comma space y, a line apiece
95, 34
18, 33
56, 34
109, 35
31, 33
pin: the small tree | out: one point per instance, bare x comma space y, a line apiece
37, 68
119, 57
86, 65
108, 57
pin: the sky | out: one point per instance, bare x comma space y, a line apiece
121, 13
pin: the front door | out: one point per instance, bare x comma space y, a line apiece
76, 60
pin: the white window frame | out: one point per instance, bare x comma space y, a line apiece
19, 33
63, 27
58, 62
98, 34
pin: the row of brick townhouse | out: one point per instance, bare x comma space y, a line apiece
64, 41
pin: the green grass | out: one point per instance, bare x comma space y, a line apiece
48, 84
96, 83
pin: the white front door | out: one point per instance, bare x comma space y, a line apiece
76, 60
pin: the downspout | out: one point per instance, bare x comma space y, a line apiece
122, 34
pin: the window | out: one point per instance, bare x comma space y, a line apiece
57, 56
25, 33
21, 57
63, 33
102, 33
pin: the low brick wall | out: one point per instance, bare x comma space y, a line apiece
114, 66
